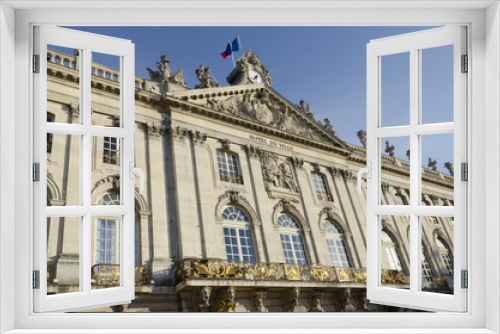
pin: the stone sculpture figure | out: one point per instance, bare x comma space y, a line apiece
291, 299
206, 81
315, 301
305, 109
258, 301
286, 177
389, 149
449, 166
432, 164
203, 299
362, 137
329, 127
226, 300
165, 74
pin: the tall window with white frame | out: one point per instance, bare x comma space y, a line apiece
321, 187
229, 169
445, 254
237, 235
390, 256
292, 241
107, 233
336, 245
111, 153
426, 268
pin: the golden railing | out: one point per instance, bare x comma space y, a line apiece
109, 274
216, 269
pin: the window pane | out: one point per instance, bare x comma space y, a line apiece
63, 167
105, 252
63, 260
437, 160
105, 97
437, 255
395, 165
395, 90
105, 171
63, 76
394, 252
437, 84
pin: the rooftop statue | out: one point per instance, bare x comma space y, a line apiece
449, 166
389, 149
432, 164
165, 74
206, 81
362, 137
305, 109
329, 127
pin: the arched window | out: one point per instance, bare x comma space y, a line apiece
390, 256
291, 238
237, 235
229, 169
321, 187
336, 245
107, 244
444, 252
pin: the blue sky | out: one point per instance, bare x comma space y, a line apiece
325, 66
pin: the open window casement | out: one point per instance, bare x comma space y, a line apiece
448, 266
100, 237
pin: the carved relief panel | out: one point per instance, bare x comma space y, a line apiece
278, 175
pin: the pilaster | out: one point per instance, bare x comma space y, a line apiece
189, 238
161, 258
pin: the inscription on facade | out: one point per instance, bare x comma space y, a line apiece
269, 142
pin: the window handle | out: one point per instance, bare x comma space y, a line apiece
368, 171
135, 170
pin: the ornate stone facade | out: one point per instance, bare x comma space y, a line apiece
181, 137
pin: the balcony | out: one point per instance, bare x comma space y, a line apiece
274, 274
109, 275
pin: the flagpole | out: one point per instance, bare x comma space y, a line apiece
231, 47
213, 76
240, 45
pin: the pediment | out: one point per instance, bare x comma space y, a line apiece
259, 103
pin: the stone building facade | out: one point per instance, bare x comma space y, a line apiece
250, 203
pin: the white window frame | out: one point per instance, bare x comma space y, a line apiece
414, 43
86, 211
15, 51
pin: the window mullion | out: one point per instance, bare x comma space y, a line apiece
415, 170
85, 170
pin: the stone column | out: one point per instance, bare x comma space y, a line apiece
313, 237
354, 206
68, 146
142, 162
189, 238
205, 195
161, 257
264, 210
